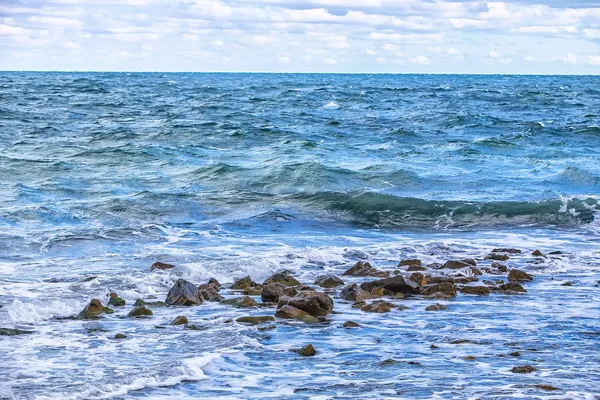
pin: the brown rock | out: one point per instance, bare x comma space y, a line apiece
93, 310
241, 302
328, 281
454, 264
255, 319
253, 291
213, 281
379, 306
548, 388
210, 294
306, 351
289, 312
285, 279
365, 269
184, 293
243, 283
446, 288
315, 303
436, 307
350, 324
273, 291
517, 275
525, 369
180, 320
354, 293
412, 268
477, 290
500, 267
509, 251
512, 288
142, 311
537, 253
161, 265
397, 284
418, 278
412, 262
497, 257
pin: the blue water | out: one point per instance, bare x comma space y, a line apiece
224, 175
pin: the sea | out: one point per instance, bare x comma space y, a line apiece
228, 175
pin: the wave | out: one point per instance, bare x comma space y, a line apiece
388, 211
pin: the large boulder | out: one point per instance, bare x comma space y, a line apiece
397, 284
93, 310
273, 291
315, 303
354, 293
289, 312
328, 281
280, 277
184, 293
445, 288
365, 269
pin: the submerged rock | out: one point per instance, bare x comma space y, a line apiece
315, 303
306, 351
436, 307
525, 369
280, 277
477, 290
273, 291
365, 269
512, 288
354, 293
241, 302
13, 332
328, 281
350, 324
94, 309
180, 320
142, 311
161, 265
255, 319
396, 284
184, 293
446, 288
120, 336
548, 388
379, 306
518, 275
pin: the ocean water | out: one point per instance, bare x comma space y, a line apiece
225, 175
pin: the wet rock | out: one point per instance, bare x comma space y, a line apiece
115, 300
500, 267
462, 341
548, 388
184, 293
389, 361
433, 346
518, 275
90, 278
328, 281
289, 312
515, 354
93, 310
213, 281
255, 319
253, 291
497, 257
512, 288
241, 302
13, 332
436, 307
120, 336
418, 278
243, 283
470, 358
354, 293
306, 351
476, 271
350, 324
454, 264
315, 303
568, 283
446, 288
412, 268
476, 290
413, 262
525, 369
377, 292
210, 294
434, 266
266, 328
469, 261
537, 253
142, 311
555, 253
180, 320
507, 250
365, 269
161, 265
139, 303
286, 279
396, 284
379, 306
273, 291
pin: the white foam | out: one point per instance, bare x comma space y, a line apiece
331, 105
19, 312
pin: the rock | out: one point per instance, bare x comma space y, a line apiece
90, 278
241, 302
396, 284
567, 283
377, 292
433, 346
286, 279
436, 307
354, 293
184, 293
388, 361
289, 312
255, 319
213, 281
161, 265
13, 332
210, 294
515, 354
412, 268
414, 262
180, 320
142, 311
379, 306
469, 261
446, 288
315, 303
243, 283
266, 328
525, 369
477, 290
470, 358
476, 271
509, 251
115, 300
365, 269
139, 303
93, 310
120, 336
497, 257
350, 324
548, 388
512, 287
454, 264
273, 291
306, 351
418, 278
328, 281
253, 291
500, 267
556, 253
518, 275
537, 253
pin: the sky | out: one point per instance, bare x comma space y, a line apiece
369, 36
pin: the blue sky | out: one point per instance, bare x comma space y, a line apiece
428, 36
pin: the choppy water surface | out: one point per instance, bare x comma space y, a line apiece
232, 174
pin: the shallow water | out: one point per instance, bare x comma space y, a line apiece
232, 174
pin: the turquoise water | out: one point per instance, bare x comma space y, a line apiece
224, 175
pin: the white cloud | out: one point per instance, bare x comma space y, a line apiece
370, 52
494, 54
330, 61
421, 60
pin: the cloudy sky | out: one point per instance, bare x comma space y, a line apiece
437, 36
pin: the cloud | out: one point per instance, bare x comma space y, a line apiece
420, 60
